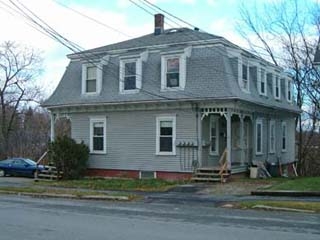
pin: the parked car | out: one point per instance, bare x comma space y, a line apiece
19, 167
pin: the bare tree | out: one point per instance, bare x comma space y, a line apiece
19, 66
286, 33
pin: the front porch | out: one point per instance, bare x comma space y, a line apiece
224, 130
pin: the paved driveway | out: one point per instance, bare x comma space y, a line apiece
15, 181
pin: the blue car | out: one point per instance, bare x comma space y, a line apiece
19, 167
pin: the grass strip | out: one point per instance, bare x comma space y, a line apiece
63, 192
298, 184
113, 184
308, 206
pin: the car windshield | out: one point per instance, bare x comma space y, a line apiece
29, 161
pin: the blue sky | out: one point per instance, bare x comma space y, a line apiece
219, 17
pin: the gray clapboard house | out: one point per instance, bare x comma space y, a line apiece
175, 100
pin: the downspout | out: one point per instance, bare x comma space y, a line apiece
199, 133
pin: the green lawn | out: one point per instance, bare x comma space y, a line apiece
298, 184
310, 206
114, 184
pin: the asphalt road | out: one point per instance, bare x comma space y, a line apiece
29, 218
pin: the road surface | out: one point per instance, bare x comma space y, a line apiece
30, 218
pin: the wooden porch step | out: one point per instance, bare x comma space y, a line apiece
49, 173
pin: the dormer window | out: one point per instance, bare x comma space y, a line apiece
262, 82
91, 78
173, 71
276, 86
130, 75
244, 70
289, 90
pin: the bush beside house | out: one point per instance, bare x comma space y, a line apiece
69, 157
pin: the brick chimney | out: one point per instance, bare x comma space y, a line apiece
158, 24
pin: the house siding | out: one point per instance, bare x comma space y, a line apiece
131, 140
284, 156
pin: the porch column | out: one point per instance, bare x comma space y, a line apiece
241, 139
199, 123
228, 118
52, 121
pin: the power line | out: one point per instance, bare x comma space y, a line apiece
91, 54
56, 36
181, 20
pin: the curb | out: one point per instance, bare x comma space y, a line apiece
69, 196
286, 193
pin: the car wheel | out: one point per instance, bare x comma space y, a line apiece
2, 173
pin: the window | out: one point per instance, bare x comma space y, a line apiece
262, 82
284, 136
244, 75
214, 136
130, 75
166, 135
289, 90
91, 78
276, 86
173, 72
98, 135
272, 136
259, 137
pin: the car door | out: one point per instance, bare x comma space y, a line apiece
19, 167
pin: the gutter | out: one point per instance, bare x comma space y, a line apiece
136, 102
166, 101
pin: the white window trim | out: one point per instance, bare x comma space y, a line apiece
182, 71
138, 62
275, 85
272, 148
287, 88
98, 80
158, 120
245, 61
259, 121
284, 124
104, 121
260, 80
214, 119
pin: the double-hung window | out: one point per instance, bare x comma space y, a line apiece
259, 135
130, 75
283, 136
173, 72
91, 78
276, 86
272, 134
98, 135
166, 135
262, 82
214, 136
244, 78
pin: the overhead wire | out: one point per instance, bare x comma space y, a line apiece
52, 32
70, 45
